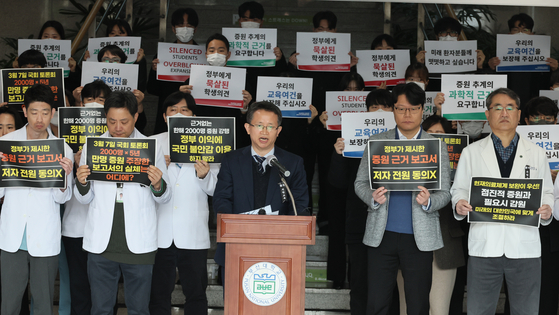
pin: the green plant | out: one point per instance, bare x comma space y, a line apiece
11, 55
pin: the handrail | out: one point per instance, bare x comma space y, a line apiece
87, 23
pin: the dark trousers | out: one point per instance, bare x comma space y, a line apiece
398, 251
357, 278
193, 277
80, 292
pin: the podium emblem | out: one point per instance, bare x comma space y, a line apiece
264, 283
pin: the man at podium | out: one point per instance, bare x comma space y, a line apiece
247, 181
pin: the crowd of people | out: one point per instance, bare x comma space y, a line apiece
400, 252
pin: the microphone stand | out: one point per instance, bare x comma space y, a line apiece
289, 192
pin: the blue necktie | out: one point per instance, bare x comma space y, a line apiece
259, 159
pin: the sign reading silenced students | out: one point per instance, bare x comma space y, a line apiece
251, 47
32, 163
56, 51
343, 102
451, 57
505, 200
405, 164
377, 66
175, 60
15, 83
358, 127
75, 124
323, 51
200, 138
118, 76
292, 95
120, 159
218, 86
522, 52
465, 95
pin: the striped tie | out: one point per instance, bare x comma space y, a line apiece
259, 159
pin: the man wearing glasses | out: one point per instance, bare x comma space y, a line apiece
500, 250
403, 227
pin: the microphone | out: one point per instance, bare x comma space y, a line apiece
272, 160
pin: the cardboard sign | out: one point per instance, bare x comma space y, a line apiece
377, 66
465, 95
33, 163
75, 124
523, 52
505, 200
218, 86
175, 60
451, 57
118, 76
323, 51
120, 159
343, 102
405, 164
15, 83
546, 137
57, 52
553, 95
129, 44
251, 47
292, 95
429, 108
455, 144
358, 127
200, 138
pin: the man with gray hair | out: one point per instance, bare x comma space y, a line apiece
500, 249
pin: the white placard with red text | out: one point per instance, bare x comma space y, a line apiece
377, 66
218, 86
175, 60
323, 51
343, 102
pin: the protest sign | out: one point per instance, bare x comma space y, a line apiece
523, 52
120, 159
75, 124
218, 86
553, 95
56, 51
292, 95
429, 108
451, 57
505, 200
118, 76
175, 60
32, 163
343, 102
546, 137
15, 83
377, 66
358, 127
129, 44
251, 47
465, 95
200, 138
455, 144
405, 164
323, 51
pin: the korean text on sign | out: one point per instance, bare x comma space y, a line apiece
16, 81
451, 57
75, 124
323, 51
378, 66
358, 127
522, 52
218, 86
251, 47
292, 95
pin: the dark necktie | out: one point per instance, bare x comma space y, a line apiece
259, 159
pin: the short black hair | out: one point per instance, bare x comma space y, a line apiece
352, 76
123, 26
9, 111
325, 15
525, 20
32, 57
417, 67
255, 8
554, 78
176, 97
436, 119
390, 41
446, 23
414, 94
379, 97
54, 24
96, 89
504, 91
114, 50
178, 17
541, 106
122, 99
217, 36
267, 106
39, 93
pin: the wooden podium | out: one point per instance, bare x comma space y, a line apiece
265, 260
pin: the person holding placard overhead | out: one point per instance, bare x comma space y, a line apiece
30, 218
498, 249
120, 232
183, 235
402, 228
